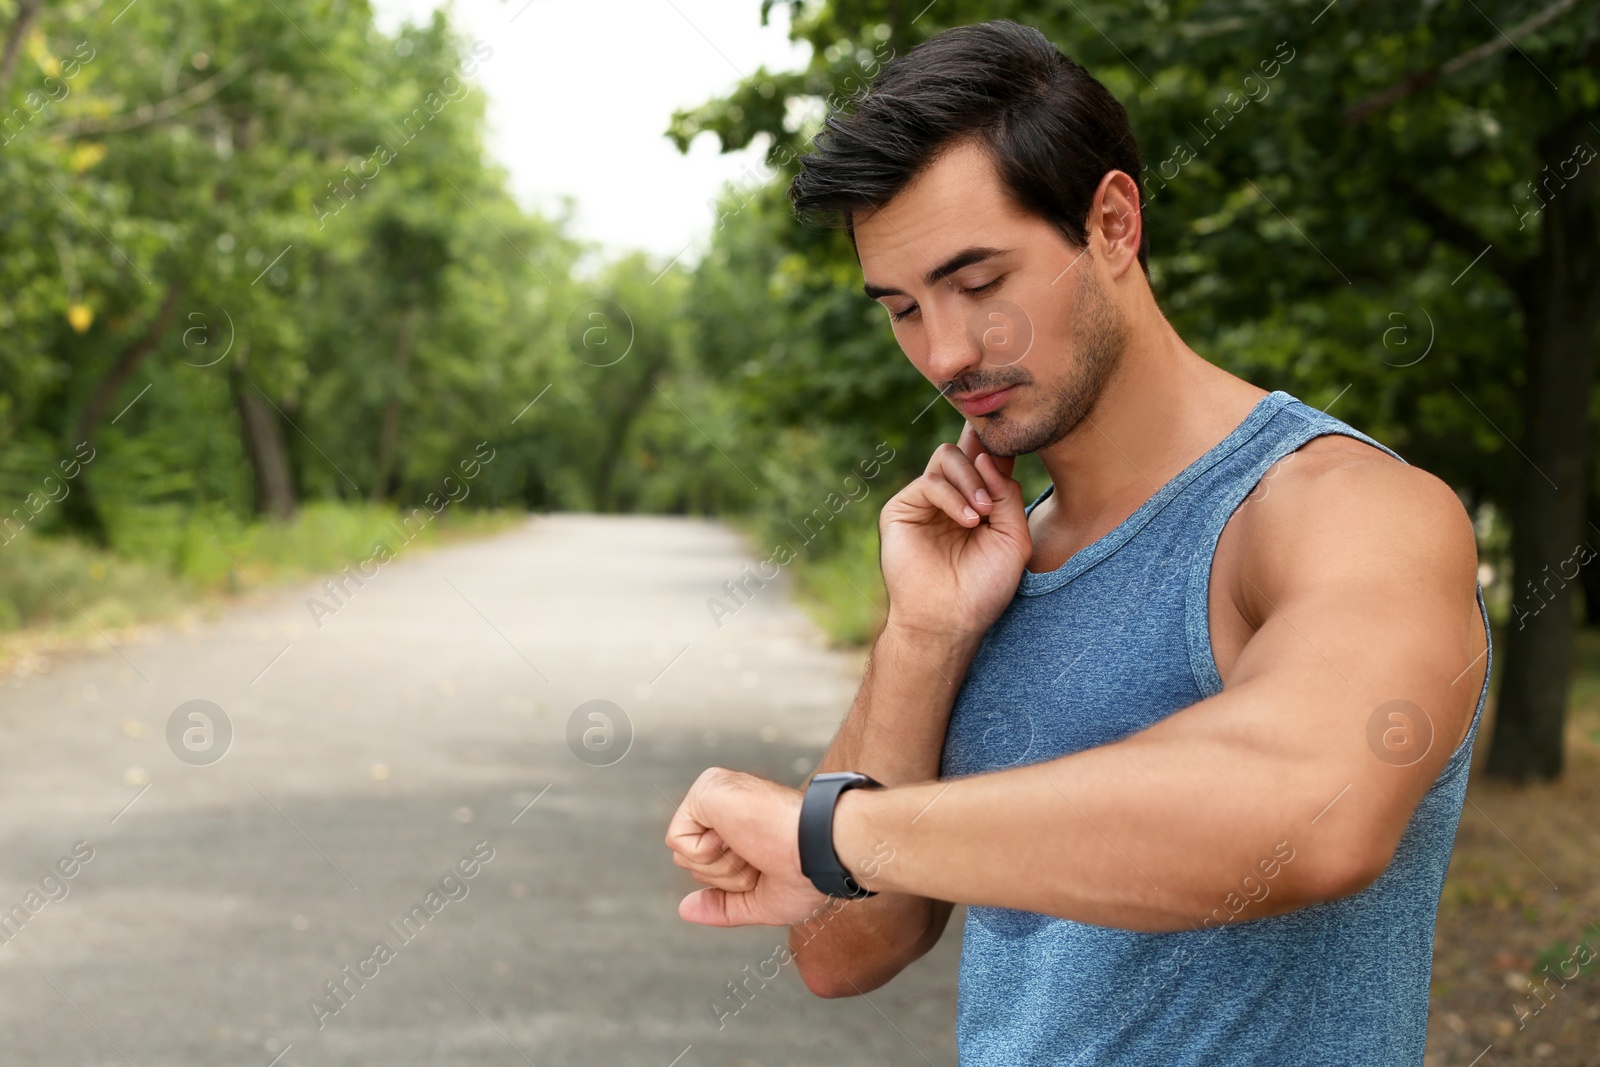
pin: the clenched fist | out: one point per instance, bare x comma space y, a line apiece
740, 835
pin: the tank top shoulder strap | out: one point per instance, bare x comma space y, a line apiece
1292, 424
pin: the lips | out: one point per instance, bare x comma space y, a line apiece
984, 403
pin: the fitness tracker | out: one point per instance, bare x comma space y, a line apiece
818, 860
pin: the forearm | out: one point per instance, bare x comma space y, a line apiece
894, 732
896, 726
1155, 833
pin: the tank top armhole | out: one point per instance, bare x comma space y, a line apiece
1197, 610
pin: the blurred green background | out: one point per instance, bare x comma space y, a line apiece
266, 299
258, 265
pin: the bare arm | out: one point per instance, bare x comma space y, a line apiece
954, 544
1362, 574
895, 733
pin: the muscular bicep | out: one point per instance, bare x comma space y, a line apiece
1366, 669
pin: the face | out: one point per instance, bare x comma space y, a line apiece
1014, 325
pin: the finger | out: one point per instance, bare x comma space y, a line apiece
740, 882
953, 464
699, 857
686, 828
718, 907
1009, 514
740, 879
936, 493
728, 869
702, 849
972, 446
998, 479
969, 442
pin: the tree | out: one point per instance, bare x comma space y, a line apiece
1389, 208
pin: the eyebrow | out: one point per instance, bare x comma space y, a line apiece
964, 258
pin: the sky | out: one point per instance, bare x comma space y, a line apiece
580, 94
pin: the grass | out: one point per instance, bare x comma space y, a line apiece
843, 592
57, 592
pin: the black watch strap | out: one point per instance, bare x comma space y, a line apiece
818, 860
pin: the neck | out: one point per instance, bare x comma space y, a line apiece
1163, 408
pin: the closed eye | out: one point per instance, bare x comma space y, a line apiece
977, 290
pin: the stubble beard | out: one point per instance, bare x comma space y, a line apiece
1100, 337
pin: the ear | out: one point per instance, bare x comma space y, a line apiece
1115, 219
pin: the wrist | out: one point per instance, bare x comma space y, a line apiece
941, 644
865, 852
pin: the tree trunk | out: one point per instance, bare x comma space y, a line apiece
79, 509
27, 11
389, 436
1560, 299
264, 445
135, 354
1591, 574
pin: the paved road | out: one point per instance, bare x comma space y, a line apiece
402, 739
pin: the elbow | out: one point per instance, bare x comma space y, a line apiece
836, 974
829, 986
1344, 869
832, 979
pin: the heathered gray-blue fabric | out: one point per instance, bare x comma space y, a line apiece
1114, 640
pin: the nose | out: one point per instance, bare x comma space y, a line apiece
953, 347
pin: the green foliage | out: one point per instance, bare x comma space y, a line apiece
47, 581
843, 590
1318, 180
210, 208
168, 556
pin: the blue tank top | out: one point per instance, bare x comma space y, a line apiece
1112, 641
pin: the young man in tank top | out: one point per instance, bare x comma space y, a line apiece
1190, 735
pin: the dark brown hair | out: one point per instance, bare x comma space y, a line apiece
1052, 130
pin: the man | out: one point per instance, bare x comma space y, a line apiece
1189, 735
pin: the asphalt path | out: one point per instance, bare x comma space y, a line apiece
410, 851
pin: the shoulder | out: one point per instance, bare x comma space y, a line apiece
1338, 510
